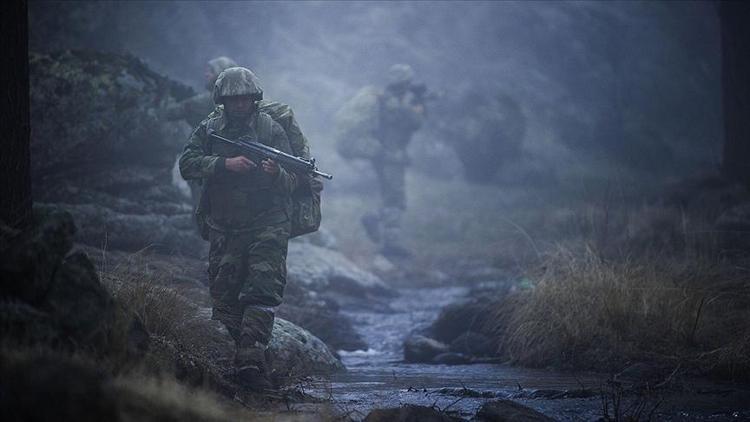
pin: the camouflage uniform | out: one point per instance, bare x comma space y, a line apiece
195, 109
377, 126
248, 216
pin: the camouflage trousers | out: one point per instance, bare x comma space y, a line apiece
247, 276
392, 179
384, 225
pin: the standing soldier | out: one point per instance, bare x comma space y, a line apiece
194, 109
246, 206
377, 126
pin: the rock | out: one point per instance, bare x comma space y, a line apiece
409, 413
451, 359
460, 318
102, 106
59, 295
473, 344
134, 232
107, 156
509, 411
326, 323
29, 260
297, 353
419, 348
322, 269
467, 392
77, 300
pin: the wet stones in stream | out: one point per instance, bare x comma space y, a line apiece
422, 349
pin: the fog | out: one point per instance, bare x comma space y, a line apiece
626, 77
622, 92
564, 204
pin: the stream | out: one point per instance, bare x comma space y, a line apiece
378, 377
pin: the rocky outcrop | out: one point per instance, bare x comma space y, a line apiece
100, 150
323, 319
297, 353
108, 228
332, 277
319, 269
460, 335
50, 294
460, 318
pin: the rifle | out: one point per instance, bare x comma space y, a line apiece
256, 149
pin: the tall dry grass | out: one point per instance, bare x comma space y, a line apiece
148, 291
587, 312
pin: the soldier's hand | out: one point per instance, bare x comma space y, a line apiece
270, 166
240, 164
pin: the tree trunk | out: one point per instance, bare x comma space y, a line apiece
735, 44
15, 161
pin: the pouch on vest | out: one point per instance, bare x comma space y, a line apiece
306, 213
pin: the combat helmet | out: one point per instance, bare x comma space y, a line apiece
237, 81
215, 66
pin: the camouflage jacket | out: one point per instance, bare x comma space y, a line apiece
233, 200
376, 125
194, 109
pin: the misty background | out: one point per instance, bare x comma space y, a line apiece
624, 93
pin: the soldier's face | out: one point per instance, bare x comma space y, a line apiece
240, 105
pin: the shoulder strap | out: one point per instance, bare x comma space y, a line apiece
212, 123
265, 127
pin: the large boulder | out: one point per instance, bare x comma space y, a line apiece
50, 294
102, 152
297, 353
459, 318
94, 112
108, 228
325, 270
325, 321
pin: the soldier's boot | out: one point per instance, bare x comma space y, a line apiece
252, 369
371, 223
251, 360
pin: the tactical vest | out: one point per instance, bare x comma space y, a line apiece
237, 202
253, 201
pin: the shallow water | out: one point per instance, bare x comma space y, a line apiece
378, 377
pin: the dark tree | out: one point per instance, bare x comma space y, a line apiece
15, 179
735, 43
